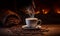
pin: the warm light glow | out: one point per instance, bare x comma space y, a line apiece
45, 11
37, 12
57, 11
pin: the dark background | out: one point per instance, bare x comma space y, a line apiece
50, 18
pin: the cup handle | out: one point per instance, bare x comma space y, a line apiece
40, 22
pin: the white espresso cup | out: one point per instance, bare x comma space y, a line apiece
32, 22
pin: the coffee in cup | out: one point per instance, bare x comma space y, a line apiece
32, 22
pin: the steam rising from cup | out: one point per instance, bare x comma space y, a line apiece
30, 12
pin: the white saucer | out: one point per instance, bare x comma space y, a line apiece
27, 27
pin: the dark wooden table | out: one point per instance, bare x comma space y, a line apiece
46, 30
